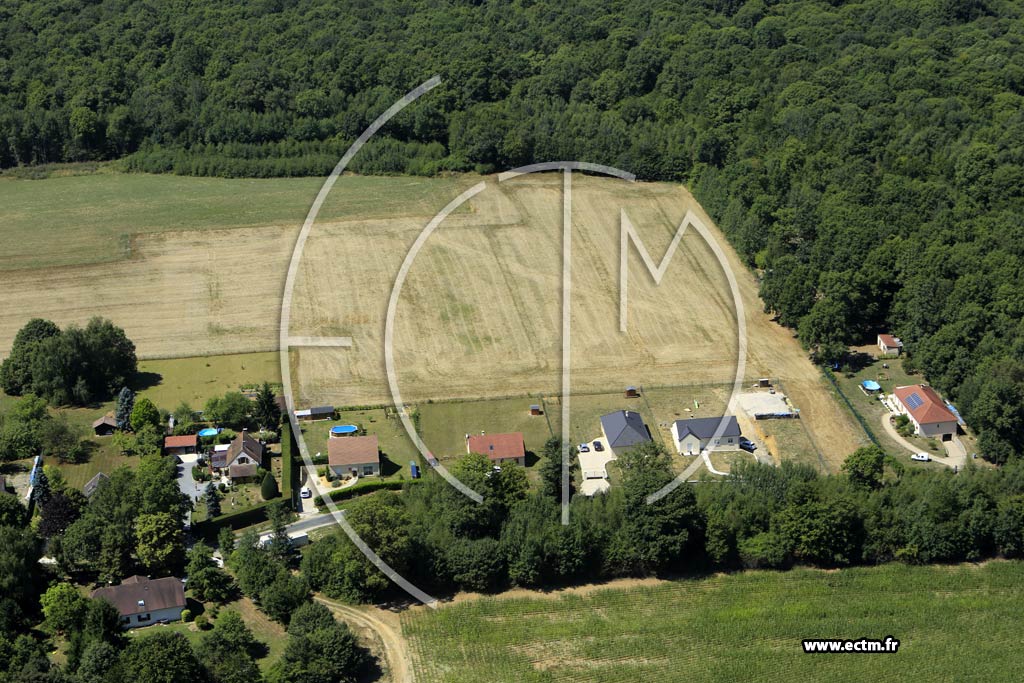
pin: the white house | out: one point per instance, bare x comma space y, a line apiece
141, 601
889, 345
694, 435
926, 411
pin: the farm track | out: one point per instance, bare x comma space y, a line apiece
395, 648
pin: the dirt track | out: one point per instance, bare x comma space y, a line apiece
388, 638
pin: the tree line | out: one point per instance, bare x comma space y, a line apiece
760, 517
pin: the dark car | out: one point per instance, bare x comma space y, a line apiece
598, 446
748, 446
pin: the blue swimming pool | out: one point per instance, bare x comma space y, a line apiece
342, 430
209, 431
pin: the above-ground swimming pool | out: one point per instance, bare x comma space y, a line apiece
344, 430
209, 431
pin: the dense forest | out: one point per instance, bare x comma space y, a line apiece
865, 157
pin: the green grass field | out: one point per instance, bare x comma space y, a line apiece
67, 221
954, 624
444, 425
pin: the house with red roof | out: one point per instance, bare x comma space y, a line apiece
185, 444
499, 448
926, 410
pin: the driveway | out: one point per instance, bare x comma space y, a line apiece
955, 451
189, 486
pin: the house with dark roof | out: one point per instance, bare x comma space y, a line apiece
694, 435
357, 456
104, 426
926, 410
499, 448
241, 460
889, 345
142, 601
623, 430
94, 483
186, 444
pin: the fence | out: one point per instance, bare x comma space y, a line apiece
830, 376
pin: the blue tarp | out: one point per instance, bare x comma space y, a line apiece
871, 385
957, 413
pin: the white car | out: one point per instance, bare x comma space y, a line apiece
921, 457
583, 448
305, 492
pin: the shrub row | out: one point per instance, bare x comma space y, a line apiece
365, 487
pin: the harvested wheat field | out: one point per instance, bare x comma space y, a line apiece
480, 312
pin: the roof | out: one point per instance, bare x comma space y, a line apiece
705, 427
237, 470
889, 340
624, 428
321, 410
105, 420
924, 404
243, 443
138, 595
498, 446
353, 450
183, 441
94, 483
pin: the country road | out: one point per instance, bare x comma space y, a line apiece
399, 663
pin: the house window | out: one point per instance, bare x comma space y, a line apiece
367, 469
143, 618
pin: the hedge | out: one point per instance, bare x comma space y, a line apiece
366, 487
208, 528
289, 463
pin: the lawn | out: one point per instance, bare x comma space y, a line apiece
88, 219
954, 624
444, 425
265, 630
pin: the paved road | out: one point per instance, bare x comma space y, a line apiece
395, 649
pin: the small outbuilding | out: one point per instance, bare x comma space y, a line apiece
889, 345
185, 444
94, 483
315, 413
632, 392
354, 455
535, 409
499, 448
104, 426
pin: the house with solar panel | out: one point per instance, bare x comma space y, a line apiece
927, 411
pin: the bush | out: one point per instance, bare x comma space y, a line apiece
202, 622
335, 483
268, 489
366, 487
186, 615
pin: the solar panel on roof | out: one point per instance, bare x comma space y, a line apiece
914, 401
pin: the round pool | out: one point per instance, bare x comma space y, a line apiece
344, 430
209, 431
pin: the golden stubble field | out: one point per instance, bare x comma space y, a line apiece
480, 313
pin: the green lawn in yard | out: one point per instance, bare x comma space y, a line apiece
959, 623
444, 425
396, 447
69, 220
168, 382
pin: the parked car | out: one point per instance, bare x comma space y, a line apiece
584, 448
305, 492
748, 446
921, 457
598, 446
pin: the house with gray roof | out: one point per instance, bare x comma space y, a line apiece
694, 435
142, 601
623, 430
